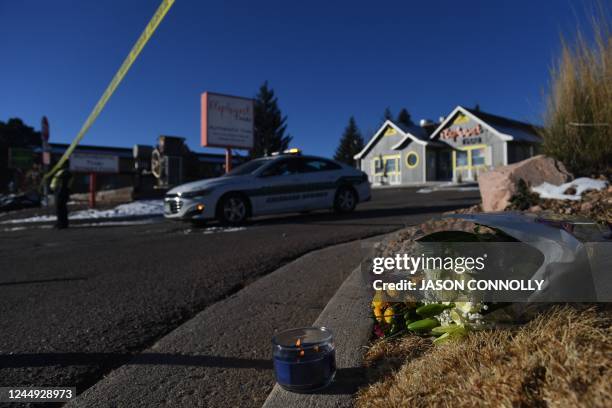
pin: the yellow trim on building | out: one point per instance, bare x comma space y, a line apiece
390, 131
416, 163
470, 167
385, 159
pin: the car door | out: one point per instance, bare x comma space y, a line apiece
278, 188
319, 177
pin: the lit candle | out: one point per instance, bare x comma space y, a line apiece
304, 359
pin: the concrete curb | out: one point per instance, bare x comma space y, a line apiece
347, 315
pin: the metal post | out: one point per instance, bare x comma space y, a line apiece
46, 156
92, 190
228, 160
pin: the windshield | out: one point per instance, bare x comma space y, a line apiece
248, 167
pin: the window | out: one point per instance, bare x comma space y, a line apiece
471, 157
412, 159
312, 165
462, 158
386, 165
248, 168
478, 157
378, 166
283, 167
390, 166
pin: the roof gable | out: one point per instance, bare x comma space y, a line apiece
519, 131
404, 131
505, 128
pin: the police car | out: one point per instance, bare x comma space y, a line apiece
287, 182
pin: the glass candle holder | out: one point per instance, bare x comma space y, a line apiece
304, 358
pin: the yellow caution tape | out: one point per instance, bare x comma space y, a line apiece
127, 63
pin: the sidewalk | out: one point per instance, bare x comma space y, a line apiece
222, 357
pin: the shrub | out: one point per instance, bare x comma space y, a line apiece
523, 199
578, 118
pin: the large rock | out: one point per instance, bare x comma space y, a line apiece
499, 185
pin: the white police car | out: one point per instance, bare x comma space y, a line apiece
270, 185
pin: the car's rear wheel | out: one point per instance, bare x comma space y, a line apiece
233, 209
345, 200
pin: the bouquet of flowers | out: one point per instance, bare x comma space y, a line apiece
444, 320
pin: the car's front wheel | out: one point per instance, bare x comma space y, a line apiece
233, 209
345, 200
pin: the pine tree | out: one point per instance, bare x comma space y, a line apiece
270, 124
351, 143
404, 118
387, 115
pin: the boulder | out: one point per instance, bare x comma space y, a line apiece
497, 186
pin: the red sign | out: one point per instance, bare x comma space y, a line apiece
450, 133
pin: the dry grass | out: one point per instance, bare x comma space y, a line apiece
563, 358
578, 119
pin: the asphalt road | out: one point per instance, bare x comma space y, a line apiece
76, 304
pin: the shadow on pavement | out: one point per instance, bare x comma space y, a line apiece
346, 382
72, 359
29, 282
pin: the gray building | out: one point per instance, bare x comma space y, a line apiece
465, 144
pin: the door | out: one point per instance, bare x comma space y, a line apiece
387, 170
319, 178
444, 168
279, 188
393, 170
469, 161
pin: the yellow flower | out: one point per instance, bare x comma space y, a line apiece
389, 312
378, 314
377, 300
378, 303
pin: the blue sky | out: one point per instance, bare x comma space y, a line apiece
326, 61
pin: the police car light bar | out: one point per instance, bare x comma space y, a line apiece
293, 150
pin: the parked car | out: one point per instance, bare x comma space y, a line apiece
270, 185
13, 202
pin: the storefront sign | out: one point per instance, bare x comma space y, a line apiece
455, 133
94, 163
227, 121
471, 141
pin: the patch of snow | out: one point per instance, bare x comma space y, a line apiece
214, 230
141, 208
448, 187
582, 184
13, 229
116, 223
22, 227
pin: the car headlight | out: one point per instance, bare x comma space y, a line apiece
196, 193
